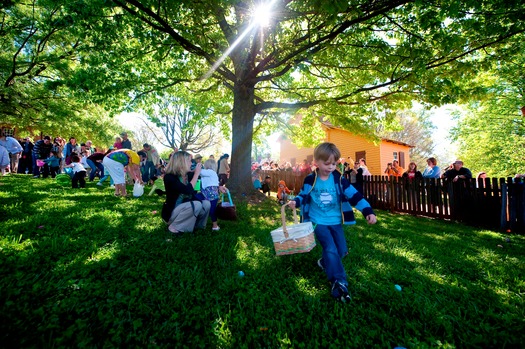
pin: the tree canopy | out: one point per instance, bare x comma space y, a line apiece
415, 128
355, 63
490, 133
40, 51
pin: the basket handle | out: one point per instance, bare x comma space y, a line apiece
283, 219
229, 197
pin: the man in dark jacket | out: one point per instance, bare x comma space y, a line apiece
41, 151
126, 143
26, 160
457, 172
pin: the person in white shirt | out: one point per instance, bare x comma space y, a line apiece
4, 159
13, 148
210, 189
79, 172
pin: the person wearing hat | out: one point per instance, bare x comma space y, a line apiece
266, 185
224, 169
282, 192
152, 162
126, 143
457, 172
197, 159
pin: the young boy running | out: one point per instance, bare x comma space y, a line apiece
326, 199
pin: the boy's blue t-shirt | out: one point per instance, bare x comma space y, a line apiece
325, 207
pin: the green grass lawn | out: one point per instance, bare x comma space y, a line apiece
82, 268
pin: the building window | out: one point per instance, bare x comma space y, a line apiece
395, 156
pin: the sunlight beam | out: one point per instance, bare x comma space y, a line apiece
260, 17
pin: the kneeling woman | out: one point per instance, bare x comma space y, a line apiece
182, 211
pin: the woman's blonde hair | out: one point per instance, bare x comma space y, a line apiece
210, 164
178, 164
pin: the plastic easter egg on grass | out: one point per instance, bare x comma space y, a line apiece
241, 273
398, 288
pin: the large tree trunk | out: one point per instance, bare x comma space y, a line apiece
242, 135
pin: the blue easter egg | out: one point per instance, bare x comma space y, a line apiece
397, 287
241, 273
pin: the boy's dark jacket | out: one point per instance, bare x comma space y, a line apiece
348, 197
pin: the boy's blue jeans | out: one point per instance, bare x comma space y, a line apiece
332, 239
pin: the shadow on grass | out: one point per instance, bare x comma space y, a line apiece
83, 268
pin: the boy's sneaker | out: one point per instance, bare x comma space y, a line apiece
320, 264
100, 184
340, 292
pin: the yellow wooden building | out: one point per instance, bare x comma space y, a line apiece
377, 156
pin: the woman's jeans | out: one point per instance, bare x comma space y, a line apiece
94, 167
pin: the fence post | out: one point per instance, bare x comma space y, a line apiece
505, 207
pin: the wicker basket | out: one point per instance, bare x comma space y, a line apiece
291, 239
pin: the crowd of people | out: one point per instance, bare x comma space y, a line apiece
453, 172
355, 172
184, 209
332, 186
50, 157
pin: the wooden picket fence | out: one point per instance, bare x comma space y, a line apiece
493, 203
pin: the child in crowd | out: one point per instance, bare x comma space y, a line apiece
324, 195
266, 185
256, 179
157, 185
54, 163
79, 172
282, 192
118, 143
210, 189
83, 161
